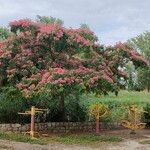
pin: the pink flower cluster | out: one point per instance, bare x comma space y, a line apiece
122, 74
27, 52
55, 29
132, 54
20, 86
84, 30
108, 72
11, 71
1, 53
76, 37
83, 70
60, 71
46, 77
81, 40
29, 87
138, 57
21, 23
107, 78
94, 79
4, 54
65, 80
50, 28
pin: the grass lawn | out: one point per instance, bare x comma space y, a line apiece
118, 105
88, 139
145, 142
22, 138
126, 97
83, 139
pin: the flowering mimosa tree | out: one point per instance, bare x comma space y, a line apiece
59, 60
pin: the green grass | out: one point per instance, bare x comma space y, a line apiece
87, 139
118, 106
22, 138
126, 97
5, 147
65, 139
145, 142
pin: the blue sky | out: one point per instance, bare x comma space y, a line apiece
111, 20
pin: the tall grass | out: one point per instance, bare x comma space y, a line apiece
118, 105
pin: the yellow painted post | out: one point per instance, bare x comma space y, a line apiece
98, 111
133, 121
32, 131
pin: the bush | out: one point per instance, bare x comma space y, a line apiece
74, 111
76, 106
147, 115
11, 102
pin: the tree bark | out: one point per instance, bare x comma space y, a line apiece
148, 89
62, 107
97, 126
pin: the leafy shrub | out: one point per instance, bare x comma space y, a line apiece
74, 111
118, 106
11, 102
147, 115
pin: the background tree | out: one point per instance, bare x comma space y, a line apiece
131, 81
84, 26
4, 33
47, 20
142, 44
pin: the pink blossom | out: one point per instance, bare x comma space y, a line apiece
21, 22
60, 71
107, 78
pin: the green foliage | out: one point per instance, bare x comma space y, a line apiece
11, 102
73, 109
84, 26
87, 139
22, 138
47, 20
65, 139
142, 44
43, 57
145, 142
147, 115
144, 78
117, 105
4, 33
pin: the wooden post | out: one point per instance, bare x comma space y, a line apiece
32, 131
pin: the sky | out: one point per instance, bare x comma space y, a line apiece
111, 20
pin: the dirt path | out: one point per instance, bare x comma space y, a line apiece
125, 145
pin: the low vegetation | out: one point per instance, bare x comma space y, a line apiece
88, 139
145, 142
65, 139
22, 138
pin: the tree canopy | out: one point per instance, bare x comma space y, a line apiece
142, 44
39, 56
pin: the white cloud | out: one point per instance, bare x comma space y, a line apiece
112, 20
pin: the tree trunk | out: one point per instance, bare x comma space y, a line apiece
97, 126
62, 107
148, 89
